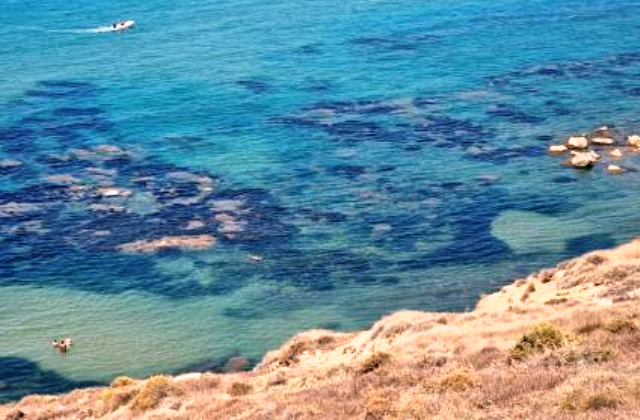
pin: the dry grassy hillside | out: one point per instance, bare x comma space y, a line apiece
563, 343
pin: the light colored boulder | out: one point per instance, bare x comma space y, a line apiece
557, 148
603, 141
634, 140
616, 153
577, 142
583, 159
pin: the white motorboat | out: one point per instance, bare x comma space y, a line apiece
122, 25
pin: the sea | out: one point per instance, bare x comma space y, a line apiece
342, 159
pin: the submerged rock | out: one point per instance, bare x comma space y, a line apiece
9, 163
603, 132
615, 169
17, 209
62, 179
177, 242
616, 153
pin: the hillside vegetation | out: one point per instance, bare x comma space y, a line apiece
563, 343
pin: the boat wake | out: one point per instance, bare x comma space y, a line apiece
97, 30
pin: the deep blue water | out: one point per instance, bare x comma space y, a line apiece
375, 156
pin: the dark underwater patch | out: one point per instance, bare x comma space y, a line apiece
254, 86
588, 243
67, 232
21, 377
564, 180
512, 113
310, 49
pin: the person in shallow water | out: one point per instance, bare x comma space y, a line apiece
62, 345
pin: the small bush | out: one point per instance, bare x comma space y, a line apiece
544, 336
374, 362
546, 276
428, 362
378, 405
556, 301
15, 415
618, 273
595, 259
291, 355
239, 389
589, 327
325, 340
442, 320
458, 381
395, 330
530, 289
277, 379
598, 356
485, 357
115, 398
122, 381
618, 326
598, 400
154, 390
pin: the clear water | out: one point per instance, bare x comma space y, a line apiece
377, 155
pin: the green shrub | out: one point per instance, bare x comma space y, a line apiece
152, 392
544, 336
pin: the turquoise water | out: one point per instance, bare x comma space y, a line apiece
352, 159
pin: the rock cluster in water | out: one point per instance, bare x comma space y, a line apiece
602, 145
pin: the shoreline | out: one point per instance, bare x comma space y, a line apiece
594, 295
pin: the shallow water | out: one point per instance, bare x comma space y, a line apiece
375, 155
